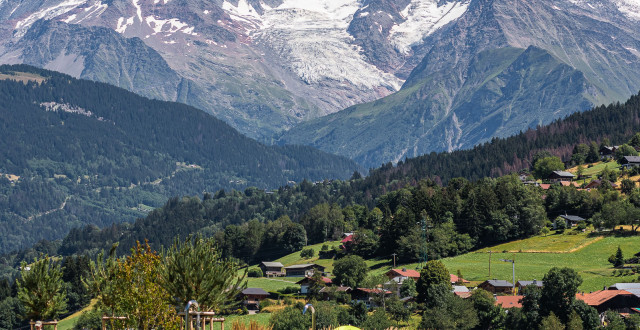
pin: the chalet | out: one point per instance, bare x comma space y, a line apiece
509, 301
455, 279
630, 161
303, 270
621, 301
251, 297
368, 296
572, 220
271, 268
598, 183
399, 275
625, 286
522, 284
557, 176
347, 242
496, 286
306, 282
607, 152
460, 289
329, 291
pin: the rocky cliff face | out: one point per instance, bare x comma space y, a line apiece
261, 65
502, 67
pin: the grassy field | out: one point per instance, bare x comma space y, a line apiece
272, 284
551, 243
589, 261
596, 168
294, 258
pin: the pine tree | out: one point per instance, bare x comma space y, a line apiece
40, 289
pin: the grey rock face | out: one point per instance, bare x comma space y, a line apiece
502, 67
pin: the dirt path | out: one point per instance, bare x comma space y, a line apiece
50, 211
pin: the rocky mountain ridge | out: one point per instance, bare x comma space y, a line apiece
469, 87
262, 66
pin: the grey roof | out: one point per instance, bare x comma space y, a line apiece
255, 291
635, 292
302, 266
625, 286
460, 288
572, 217
336, 288
527, 283
500, 283
564, 174
272, 264
632, 159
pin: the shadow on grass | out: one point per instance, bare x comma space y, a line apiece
381, 265
613, 233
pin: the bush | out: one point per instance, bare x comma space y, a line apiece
266, 303
89, 320
288, 301
289, 290
255, 272
307, 253
325, 248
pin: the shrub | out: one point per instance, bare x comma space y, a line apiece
289, 290
307, 253
266, 303
255, 272
288, 301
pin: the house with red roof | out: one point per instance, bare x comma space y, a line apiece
509, 301
621, 301
306, 282
347, 242
455, 279
399, 275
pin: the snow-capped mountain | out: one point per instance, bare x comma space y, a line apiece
261, 65
502, 67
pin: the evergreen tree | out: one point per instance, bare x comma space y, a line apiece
41, 289
195, 270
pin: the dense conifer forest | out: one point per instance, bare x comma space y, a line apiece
76, 152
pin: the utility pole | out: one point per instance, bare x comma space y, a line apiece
425, 240
513, 266
489, 264
394, 260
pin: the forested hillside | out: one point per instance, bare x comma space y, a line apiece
615, 122
76, 152
466, 213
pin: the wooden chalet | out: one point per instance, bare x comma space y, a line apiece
557, 176
523, 284
306, 283
368, 295
598, 183
621, 301
270, 268
607, 152
572, 220
251, 297
303, 270
630, 161
329, 291
496, 286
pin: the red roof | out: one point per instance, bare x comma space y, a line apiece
509, 301
454, 279
326, 280
376, 291
545, 186
463, 295
598, 298
403, 272
347, 239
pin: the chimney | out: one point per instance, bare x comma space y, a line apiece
404, 269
